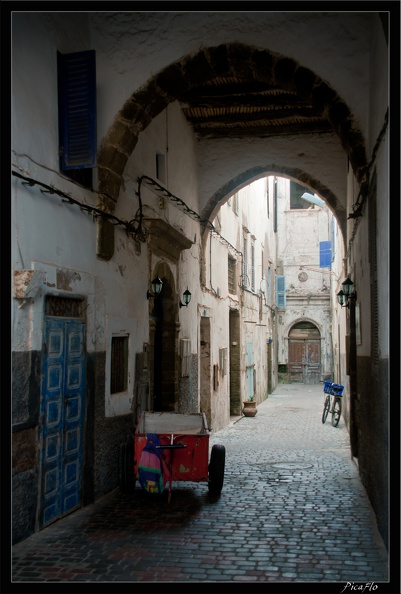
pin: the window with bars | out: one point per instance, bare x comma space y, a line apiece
232, 266
119, 364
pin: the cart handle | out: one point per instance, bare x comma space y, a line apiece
177, 446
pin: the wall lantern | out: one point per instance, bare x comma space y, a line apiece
187, 298
346, 293
157, 285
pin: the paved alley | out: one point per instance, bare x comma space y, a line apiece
292, 510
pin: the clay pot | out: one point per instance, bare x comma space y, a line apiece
249, 409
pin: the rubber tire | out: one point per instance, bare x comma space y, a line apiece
216, 469
336, 414
326, 408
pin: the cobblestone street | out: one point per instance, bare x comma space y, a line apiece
292, 511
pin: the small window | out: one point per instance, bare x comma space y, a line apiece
296, 191
232, 266
280, 292
119, 364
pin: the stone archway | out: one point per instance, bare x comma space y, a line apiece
183, 76
247, 177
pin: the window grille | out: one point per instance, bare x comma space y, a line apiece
63, 307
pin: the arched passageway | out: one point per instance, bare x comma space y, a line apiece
185, 81
251, 105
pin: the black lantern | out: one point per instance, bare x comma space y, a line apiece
157, 285
341, 299
346, 293
187, 298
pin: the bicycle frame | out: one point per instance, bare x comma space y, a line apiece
332, 403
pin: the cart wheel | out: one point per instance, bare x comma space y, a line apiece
216, 469
126, 467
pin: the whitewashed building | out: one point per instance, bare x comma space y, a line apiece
305, 240
180, 111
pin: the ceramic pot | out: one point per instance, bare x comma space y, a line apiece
249, 409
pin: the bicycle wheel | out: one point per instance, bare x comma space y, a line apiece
326, 408
336, 414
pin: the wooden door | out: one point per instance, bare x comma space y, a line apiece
62, 416
304, 361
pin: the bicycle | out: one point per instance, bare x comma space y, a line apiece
332, 402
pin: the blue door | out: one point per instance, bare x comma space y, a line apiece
62, 414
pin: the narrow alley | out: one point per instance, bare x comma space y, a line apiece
278, 519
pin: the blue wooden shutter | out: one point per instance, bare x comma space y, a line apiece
325, 254
77, 110
280, 292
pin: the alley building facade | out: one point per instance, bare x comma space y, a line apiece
130, 131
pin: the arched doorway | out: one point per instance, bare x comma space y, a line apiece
304, 353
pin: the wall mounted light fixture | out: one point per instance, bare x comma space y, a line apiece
157, 285
348, 292
187, 298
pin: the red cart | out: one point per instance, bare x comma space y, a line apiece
185, 443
